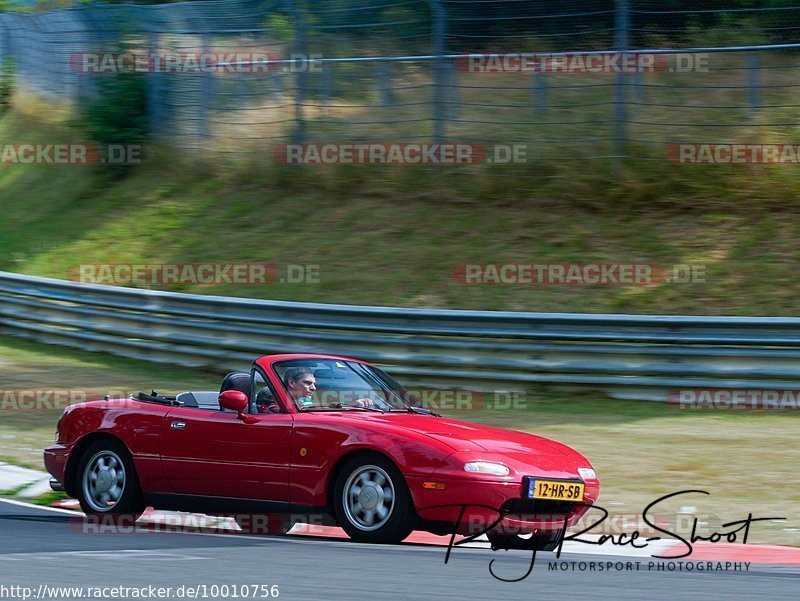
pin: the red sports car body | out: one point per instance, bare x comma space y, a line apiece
317, 435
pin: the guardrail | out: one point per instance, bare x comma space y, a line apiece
626, 356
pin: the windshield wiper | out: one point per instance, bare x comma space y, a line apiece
348, 407
417, 410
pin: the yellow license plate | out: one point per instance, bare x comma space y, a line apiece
559, 491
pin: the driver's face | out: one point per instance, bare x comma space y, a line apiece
305, 385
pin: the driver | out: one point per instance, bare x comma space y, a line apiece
301, 384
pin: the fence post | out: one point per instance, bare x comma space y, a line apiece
439, 44
300, 49
622, 24
638, 87
453, 100
385, 84
327, 82
753, 83
540, 91
154, 94
207, 94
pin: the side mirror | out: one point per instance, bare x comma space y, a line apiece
233, 400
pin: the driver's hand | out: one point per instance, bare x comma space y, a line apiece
363, 402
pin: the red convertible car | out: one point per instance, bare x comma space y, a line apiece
317, 435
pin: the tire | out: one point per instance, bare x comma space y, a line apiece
107, 485
543, 542
371, 501
273, 524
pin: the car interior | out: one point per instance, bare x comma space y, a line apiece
235, 380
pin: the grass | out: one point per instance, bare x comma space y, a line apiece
48, 499
640, 450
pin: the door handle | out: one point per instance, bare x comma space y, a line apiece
178, 425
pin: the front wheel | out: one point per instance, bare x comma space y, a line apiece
108, 486
371, 501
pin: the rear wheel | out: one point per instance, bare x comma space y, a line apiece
371, 500
108, 486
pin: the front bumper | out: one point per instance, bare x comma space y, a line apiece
55, 461
473, 506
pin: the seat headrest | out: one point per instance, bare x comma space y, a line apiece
236, 380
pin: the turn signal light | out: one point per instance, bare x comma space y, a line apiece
434, 485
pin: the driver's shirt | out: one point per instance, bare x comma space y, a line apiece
305, 401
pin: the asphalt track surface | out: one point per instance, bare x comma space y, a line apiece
40, 546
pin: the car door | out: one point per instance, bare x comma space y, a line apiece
214, 453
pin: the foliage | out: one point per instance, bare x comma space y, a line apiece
117, 112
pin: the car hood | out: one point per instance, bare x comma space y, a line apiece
464, 436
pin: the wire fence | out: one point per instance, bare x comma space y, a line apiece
561, 80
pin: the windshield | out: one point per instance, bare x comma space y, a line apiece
315, 384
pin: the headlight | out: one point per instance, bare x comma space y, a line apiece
486, 467
587, 473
